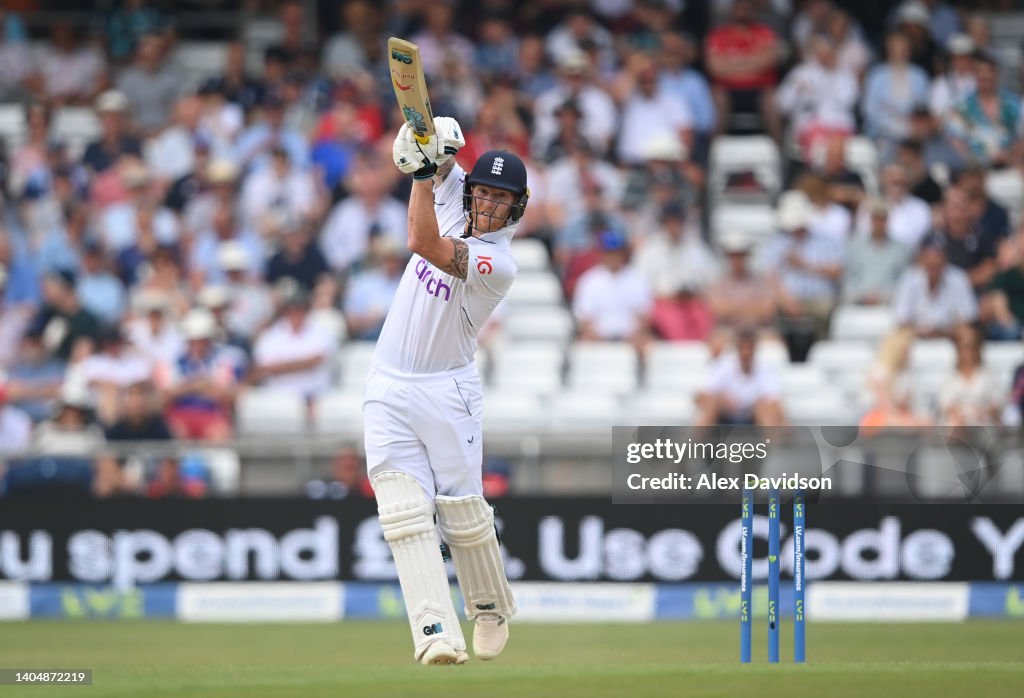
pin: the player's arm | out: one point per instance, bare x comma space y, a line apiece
450, 255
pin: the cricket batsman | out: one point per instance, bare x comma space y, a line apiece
422, 400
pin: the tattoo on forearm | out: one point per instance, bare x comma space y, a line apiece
446, 169
460, 260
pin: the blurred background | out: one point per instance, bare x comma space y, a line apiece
749, 212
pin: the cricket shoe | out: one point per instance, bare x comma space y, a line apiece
489, 635
441, 652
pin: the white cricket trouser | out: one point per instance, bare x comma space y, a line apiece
428, 426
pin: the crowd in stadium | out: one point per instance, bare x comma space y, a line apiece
238, 231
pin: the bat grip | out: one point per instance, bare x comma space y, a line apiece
422, 140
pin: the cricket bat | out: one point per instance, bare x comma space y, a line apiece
410, 87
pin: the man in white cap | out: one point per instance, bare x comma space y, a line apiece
953, 86
200, 386
115, 139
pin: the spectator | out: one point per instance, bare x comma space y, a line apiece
966, 247
575, 34
170, 479
277, 196
349, 51
14, 318
910, 154
613, 300
852, 52
151, 85
220, 120
845, 187
71, 72
293, 354
648, 112
354, 221
535, 76
438, 41
984, 126
807, 268
108, 372
969, 397
912, 21
938, 154
101, 293
235, 84
252, 151
34, 378
741, 298
952, 87
992, 219
569, 175
140, 418
30, 170
576, 247
166, 277
933, 298
152, 332
16, 65
826, 218
15, 426
891, 92
217, 299
819, 97
225, 245
171, 152
873, 263
575, 83
742, 59
678, 267
890, 385
68, 328
199, 387
71, 431
739, 390
910, 219
371, 291
119, 223
299, 258
124, 25
678, 77
497, 51
115, 139
346, 479
1002, 307
250, 305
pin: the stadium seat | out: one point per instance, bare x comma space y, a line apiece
270, 411
546, 323
1001, 357
822, 408
802, 379
755, 221
354, 361
772, 354
511, 410
862, 158
583, 411
339, 413
733, 154
12, 125
199, 60
534, 367
76, 127
658, 408
1006, 187
676, 366
535, 288
531, 255
603, 366
932, 355
840, 357
868, 323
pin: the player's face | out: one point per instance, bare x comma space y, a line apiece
491, 207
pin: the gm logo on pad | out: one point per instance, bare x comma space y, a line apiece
497, 165
432, 629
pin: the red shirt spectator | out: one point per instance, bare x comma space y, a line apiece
747, 42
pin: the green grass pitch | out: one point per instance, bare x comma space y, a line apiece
354, 659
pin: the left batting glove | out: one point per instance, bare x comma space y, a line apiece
449, 138
412, 157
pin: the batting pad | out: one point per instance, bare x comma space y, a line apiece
467, 525
407, 518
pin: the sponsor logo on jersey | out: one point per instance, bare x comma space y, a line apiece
433, 284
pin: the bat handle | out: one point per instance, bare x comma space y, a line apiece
422, 140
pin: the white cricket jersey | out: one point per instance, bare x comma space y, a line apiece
435, 318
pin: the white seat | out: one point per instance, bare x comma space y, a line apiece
270, 411
755, 221
869, 323
1002, 358
339, 412
932, 355
656, 408
577, 411
535, 288
604, 366
77, 127
821, 408
511, 410
546, 323
802, 379
862, 158
200, 59
676, 366
839, 357
12, 125
354, 361
731, 154
530, 255
534, 367
1006, 187
772, 354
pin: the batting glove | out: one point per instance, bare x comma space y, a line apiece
412, 157
449, 137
